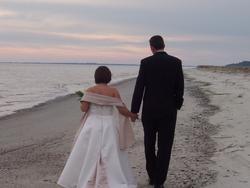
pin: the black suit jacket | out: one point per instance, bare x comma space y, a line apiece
160, 84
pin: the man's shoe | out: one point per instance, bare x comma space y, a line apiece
159, 186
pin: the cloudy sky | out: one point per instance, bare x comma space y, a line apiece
112, 31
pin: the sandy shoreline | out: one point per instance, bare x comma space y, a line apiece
57, 99
35, 144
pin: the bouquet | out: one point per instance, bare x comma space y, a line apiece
79, 93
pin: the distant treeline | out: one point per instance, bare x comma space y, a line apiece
225, 69
240, 64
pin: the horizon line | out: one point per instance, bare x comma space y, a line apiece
81, 63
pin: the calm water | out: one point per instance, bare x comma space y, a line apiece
26, 85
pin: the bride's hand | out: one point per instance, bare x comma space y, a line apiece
133, 117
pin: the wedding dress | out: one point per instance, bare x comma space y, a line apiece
97, 160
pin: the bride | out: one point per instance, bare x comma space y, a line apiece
98, 158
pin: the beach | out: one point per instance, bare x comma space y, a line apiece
211, 147
229, 90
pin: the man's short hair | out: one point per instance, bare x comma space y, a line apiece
102, 75
157, 42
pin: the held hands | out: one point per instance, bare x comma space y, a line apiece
133, 116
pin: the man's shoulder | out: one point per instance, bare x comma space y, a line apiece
174, 59
171, 57
147, 59
166, 57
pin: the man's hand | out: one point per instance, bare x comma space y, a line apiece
133, 117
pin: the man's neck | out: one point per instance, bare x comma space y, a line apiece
160, 50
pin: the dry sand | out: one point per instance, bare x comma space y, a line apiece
34, 144
229, 90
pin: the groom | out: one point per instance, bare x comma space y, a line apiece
160, 84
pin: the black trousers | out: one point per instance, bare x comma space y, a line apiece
162, 129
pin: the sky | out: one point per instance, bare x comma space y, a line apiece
113, 31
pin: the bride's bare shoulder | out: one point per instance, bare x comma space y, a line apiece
94, 89
91, 89
104, 90
115, 92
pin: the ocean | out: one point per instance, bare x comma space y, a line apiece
25, 85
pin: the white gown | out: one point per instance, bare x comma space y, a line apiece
96, 160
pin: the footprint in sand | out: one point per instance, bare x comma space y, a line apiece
243, 181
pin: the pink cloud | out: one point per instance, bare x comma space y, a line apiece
69, 53
7, 13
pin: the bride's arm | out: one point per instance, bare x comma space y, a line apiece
124, 111
84, 106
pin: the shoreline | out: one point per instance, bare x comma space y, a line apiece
37, 106
57, 99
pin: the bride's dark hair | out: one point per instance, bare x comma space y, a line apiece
102, 75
